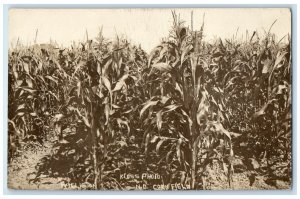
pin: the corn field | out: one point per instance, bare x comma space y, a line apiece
190, 115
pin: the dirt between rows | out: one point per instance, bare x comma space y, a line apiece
22, 168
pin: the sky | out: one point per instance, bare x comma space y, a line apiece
140, 26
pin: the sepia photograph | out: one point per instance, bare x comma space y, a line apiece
149, 99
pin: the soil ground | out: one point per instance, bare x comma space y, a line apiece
22, 167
